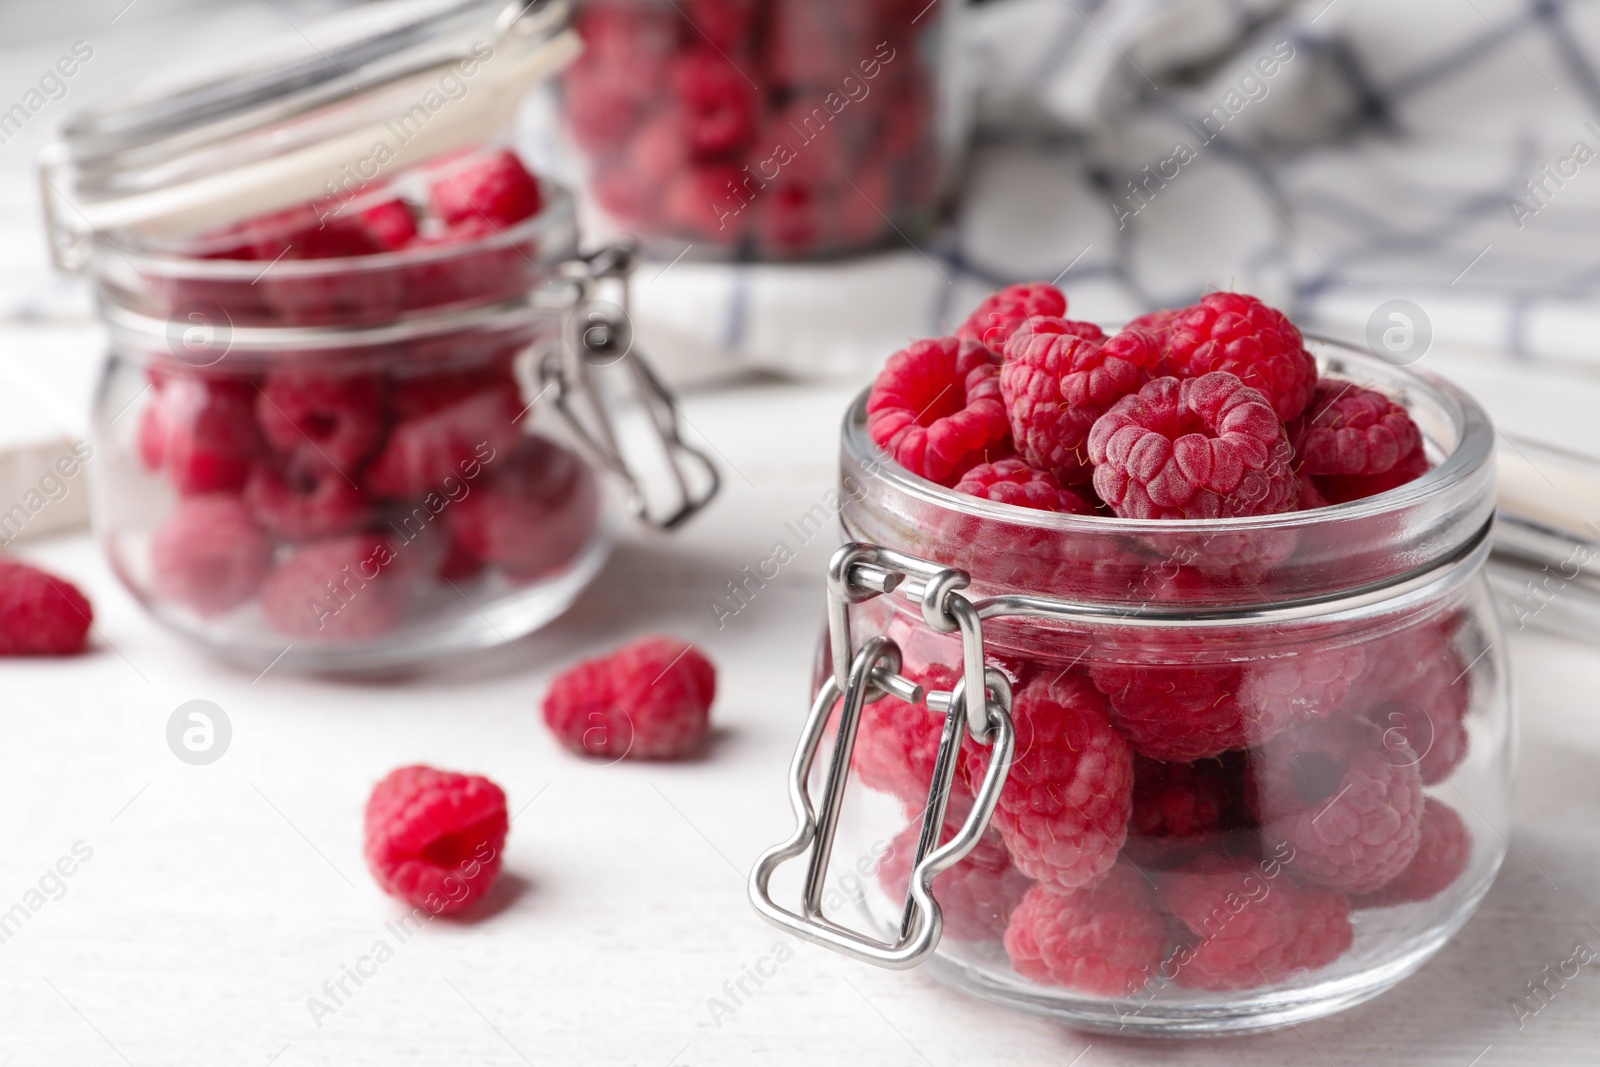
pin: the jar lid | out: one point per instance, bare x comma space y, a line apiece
389, 86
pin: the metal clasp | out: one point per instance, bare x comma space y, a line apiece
595, 375
859, 572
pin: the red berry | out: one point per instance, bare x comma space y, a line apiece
1349, 430
1341, 489
391, 224
445, 426
1059, 377
720, 108
312, 415
533, 514
1201, 448
40, 614
1416, 691
496, 189
304, 497
1183, 711
1441, 858
936, 408
1011, 481
1252, 926
1177, 807
209, 555
997, 318
1158, 323
1064, 809
435, 838
897, 743
210, 441
1239, 334
724, 23
1308, 684
1307, 495
648, 700
1106, 940
343, 589
977, 895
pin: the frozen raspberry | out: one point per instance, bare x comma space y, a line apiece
209, 555
897, 743
1441, 858
1353, 825
1064, 810
445, 425
720, 108
936, 408
304, 497
1416, 691
435, 838
1308, 684
391, 224
1106, 940
977, 895
1239, 334
534, 512
344, 589
40, 614
1177, 808
1011, 481
1201, 448
1340, 489
648, 700
1058, 378
1183, 711
997, 318
1349, 430
335, 418
210, 440
497, 189
1252, 926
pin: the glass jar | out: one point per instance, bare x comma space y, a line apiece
768, 129
1228, 775
335, 321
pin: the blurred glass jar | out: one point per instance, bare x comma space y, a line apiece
313, 427
771, 129
1230, 775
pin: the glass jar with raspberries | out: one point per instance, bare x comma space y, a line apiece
768, 129
1244, 749
354, 352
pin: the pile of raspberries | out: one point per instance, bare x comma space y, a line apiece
791, 127
332, 488
1173, 817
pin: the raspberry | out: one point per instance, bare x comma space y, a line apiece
977, 895
1106, 940
936, 408
391, 224
445, 424
724, 23
1349, 430
335, 418
497, 189
40, 614
720, 108
1417, 692
1239, 334
1254, 928
1441, 858
1308, 684
997, 318
647, 700
794, 217
897, 743
1201, 448
1157, 323
434, 838
343, 589
1353, 826
1064, 810
1341, 489
534, 513
210, 439
1011, 481
1307, 495
1058, 379
1177, 807
304, 498
209, 555
698, 203
1185, 711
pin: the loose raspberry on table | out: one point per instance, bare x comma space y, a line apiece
1011, 481
435, 838
497, 189
1348, 430
305, 497
998, 317
313, 415
209, 555
446, 425
647, 700
1064, 809
1441, 858
40, 614
936, 408
1200, 448
1058, 378
1177, 808
1239, 334
1341, 489
1252, 926
344, 589
533, 513
977, 895
208, 436
1180, 712
1106, 940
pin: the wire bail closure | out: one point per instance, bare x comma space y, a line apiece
859, 572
